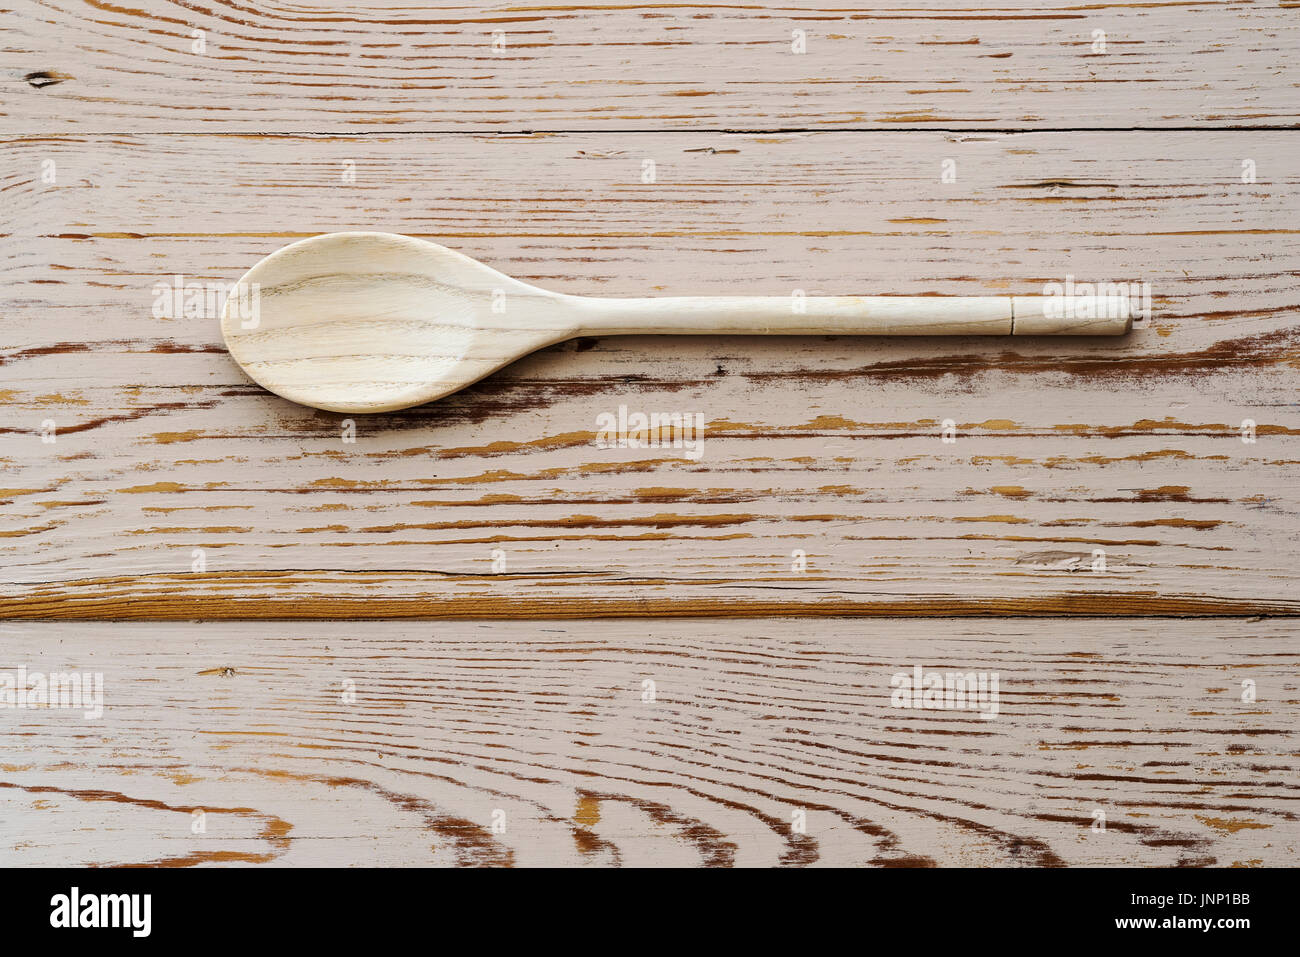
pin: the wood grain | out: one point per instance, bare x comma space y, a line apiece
750, 721
407, 66
831, 446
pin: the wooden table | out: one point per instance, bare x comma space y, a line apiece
469, 634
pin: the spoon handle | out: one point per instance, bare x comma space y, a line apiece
859, 315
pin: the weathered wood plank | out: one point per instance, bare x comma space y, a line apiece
100, 67
544, 727
832, 446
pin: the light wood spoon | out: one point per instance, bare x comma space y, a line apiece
372, 322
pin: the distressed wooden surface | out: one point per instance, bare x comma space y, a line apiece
453, 722
376, 66
828, 445
408, 121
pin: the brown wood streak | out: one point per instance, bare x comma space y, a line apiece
347, 68
548, 728
99, 600
274, 830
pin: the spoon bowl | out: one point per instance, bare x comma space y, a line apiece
371, 322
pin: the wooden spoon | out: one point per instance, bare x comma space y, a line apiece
371, 322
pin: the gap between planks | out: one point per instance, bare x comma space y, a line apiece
581, 606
